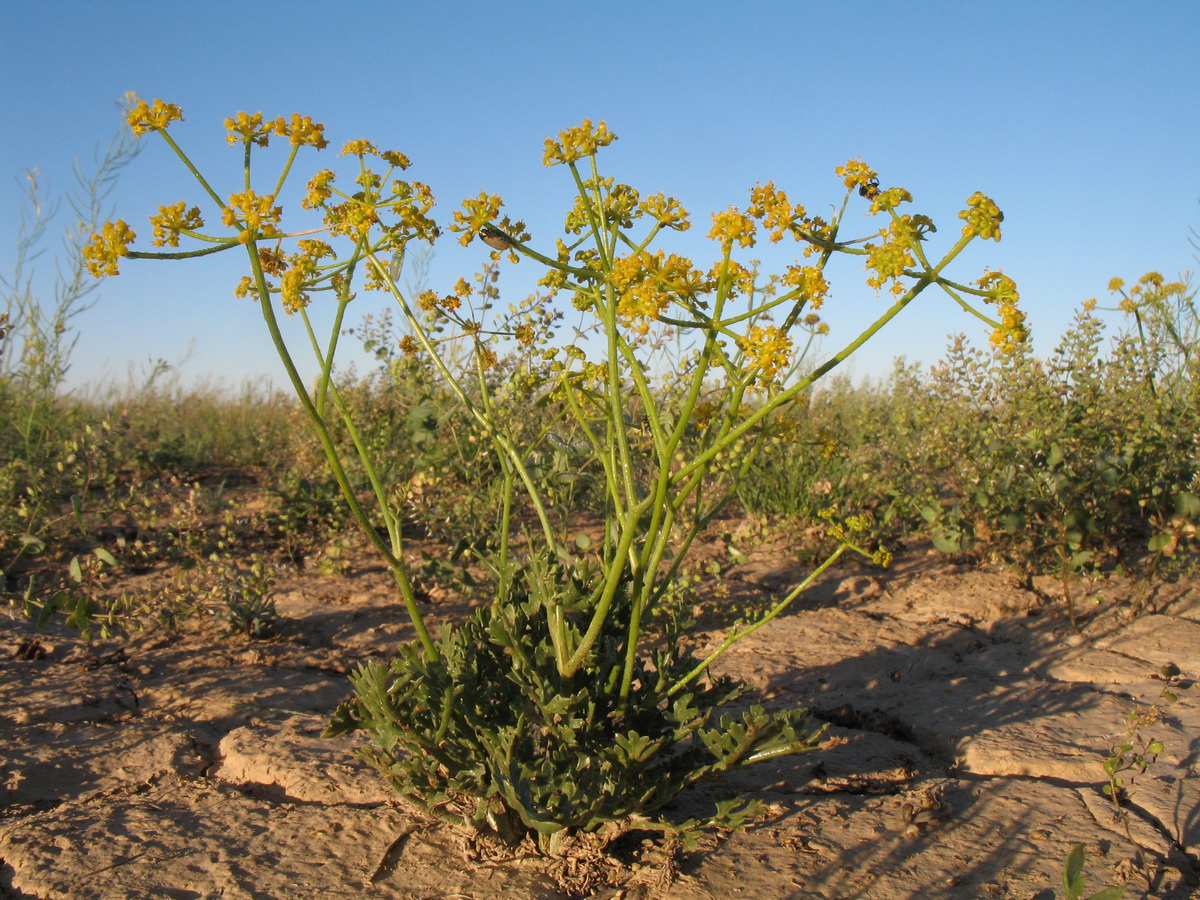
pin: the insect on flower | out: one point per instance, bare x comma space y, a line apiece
495, 238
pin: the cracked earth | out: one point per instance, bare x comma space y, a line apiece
969, 725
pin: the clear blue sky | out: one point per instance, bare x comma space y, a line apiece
1081, 119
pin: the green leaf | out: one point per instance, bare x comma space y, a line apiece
947, 543
104, 556
75, 570
31, 545
77, 508
1187, 505
1073, 873
1159, 542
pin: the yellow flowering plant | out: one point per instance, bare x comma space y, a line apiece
572, 699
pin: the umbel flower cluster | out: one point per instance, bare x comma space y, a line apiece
382, 213
558, 707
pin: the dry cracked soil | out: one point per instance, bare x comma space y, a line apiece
969, 723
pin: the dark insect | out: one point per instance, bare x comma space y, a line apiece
495, 238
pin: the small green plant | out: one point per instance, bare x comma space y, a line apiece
249, 607
1135, 751
47, 464
1073, 883
570, 700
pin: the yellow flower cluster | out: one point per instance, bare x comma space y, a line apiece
857, 173
890, 199
146, 117
639, 298
477, 212
302, 272
647, 283
577, 143
1151, 290
667, 211
300, 130
252, 128
811, 282
732, 226
246, 128
768, 350
1012, 332
889, 260
318, 189
257, 216
360, 148
983, 217
431, 302
106, 248
172, 221
731, 277
772, 207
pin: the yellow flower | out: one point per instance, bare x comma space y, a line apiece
395, 158
273, 262
773, 208
173, 220
857, 173
1116, 284
243, 287
487, 357
639, 298
983, 217
667, 211
258, 215
1012, 332
291, 289
768, 350
1002, 288
301, 130
318, 189
359, 148
888, 261
245, 128
811, 282
890, 199
577, 143
143, 117
106, 248
479, 211
730, 226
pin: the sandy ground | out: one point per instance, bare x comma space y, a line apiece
969, 728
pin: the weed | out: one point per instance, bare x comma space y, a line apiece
556, 708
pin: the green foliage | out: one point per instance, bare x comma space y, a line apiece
490, 734
46, 460
556, 708
1135, 751
1073, 883
249, 608
1083, 462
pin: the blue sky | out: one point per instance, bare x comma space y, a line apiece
1081, 119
